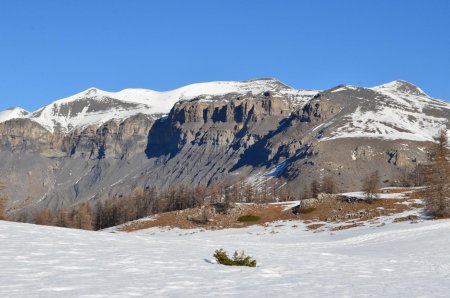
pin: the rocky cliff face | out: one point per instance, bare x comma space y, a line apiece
113, 139
220, 123
252, 130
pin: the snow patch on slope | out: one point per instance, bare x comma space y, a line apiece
389, 123
396, 110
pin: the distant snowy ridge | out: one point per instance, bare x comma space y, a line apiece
95, 106
396, 110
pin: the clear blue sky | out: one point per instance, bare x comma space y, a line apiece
53, 49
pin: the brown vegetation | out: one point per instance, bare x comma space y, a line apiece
328, 186
142, 203
437, 178
3, 203
371, 184
340, 211
188, 218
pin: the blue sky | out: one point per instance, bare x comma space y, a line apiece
51, 49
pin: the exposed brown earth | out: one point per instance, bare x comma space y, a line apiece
194, 218
350, 214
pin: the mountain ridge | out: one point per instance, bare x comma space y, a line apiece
131, 101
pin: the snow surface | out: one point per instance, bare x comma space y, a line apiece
395, 260
362, 195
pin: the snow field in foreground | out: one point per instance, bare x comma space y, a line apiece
396, 260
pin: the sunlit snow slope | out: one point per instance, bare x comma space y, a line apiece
396, 260
396, 110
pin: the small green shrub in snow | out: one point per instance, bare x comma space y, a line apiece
237, 260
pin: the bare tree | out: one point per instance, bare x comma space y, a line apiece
371, 184
305, 194
85, 214
3, 203
328, 185
437, 178
214, 193
286, 193
249, 193
228, 198
62, 218
44, 217
315, 188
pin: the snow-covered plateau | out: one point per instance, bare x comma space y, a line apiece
394, 260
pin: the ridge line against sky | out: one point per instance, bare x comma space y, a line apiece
53, 49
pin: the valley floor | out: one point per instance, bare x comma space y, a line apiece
395, 260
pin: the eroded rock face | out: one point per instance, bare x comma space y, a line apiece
237, 122
113, 139
23, 135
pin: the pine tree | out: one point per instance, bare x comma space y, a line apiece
437, 178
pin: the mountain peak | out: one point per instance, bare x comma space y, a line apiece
401, 86
91, 91
12, 113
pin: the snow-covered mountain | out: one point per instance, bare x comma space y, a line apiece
396, 110
12, 113
95, 106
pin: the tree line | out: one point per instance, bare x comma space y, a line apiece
142, 203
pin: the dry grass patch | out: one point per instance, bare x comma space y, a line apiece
345, 227
241, 215
395, 190
244, 215
335, 210
406, 218
314, 226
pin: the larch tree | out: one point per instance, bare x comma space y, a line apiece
43, 217
371, 184
328, 185
315, 188
437, 178
3, 203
